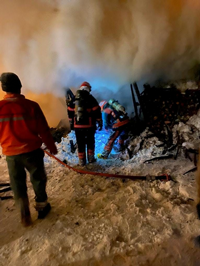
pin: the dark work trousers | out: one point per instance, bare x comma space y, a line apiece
33, 162
121, 133
85, 138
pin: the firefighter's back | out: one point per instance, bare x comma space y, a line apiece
87, 110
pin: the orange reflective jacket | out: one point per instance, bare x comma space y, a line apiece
23, 127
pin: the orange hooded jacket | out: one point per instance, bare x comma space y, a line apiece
23, 127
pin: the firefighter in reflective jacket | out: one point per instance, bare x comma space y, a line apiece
84, 112
115, 121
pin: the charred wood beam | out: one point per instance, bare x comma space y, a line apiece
191, 154
172, 147
5, 189
138, 96
6, 197
160, 145
160, 158
130, 153
177, 152
134, 103
191, 170
4, 184
150, 136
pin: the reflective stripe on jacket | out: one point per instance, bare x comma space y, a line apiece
23, 127
120, 123
93, 111
110, 119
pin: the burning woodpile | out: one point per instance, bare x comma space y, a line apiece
172, 121
165, 107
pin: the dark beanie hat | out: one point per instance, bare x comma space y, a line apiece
10, 82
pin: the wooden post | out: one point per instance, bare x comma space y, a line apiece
134, 102
139, 98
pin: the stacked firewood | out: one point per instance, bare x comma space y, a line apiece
165, 107
190, 102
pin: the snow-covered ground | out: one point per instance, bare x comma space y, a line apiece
107, 221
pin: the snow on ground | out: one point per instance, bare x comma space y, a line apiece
106, 221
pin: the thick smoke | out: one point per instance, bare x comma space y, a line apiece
55, 44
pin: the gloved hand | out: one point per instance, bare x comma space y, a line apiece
100, 125
53, 149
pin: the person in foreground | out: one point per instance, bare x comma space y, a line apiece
23, 129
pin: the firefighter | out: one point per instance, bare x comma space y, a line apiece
84, 112
116, 121
23, 129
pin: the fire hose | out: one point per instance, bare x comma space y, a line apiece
163, 177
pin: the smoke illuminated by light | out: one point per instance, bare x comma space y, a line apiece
55, 44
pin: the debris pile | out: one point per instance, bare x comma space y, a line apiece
171, 118
58, 132
185, 142
163, 108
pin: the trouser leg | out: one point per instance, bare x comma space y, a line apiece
91, 145
17, 176
81, 144
110, 142
34, 163
25, 211
121, 139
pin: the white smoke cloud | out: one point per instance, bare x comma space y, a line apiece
55, 44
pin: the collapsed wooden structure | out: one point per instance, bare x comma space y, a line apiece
164, 107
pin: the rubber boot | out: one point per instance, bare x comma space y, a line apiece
91, 159
82, 162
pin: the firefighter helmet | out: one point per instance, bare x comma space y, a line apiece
85, 86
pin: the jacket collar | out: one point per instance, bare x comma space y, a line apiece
13, 95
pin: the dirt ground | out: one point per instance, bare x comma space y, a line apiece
104, 221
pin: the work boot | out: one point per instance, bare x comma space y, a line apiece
101, 156
104, 155
82, 162
91, 159
43, 209
25, 212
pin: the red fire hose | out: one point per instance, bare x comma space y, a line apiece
164, 177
